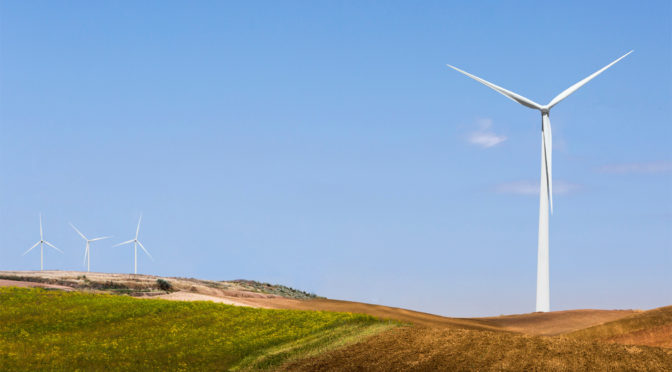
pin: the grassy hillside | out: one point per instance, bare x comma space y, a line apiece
652, 327
54, 330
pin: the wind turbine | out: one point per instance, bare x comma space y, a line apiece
136, 243
546, 190
87, 252
41, 243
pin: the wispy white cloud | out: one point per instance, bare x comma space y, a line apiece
532, 188
484, 136
653, 167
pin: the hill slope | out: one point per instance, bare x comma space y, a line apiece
380, 311
82, 329
652, 327
239, 292
555, 322
263, 295
147, 285
55, 330
441, 349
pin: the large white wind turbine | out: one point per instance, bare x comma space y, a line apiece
546, 191
41, 244
136, 243
87, 251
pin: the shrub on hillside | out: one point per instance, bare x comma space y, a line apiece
164, 285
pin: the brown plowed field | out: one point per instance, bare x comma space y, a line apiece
442, 349
556, 322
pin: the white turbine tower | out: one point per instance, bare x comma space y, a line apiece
136, 243
87, 251
41, 244
546, 191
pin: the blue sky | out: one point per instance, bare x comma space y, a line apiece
328, 147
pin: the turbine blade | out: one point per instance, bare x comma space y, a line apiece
143, 248
101, 238
137, 231
52, 246
41, 237
78, 232
507, 93
86, 253
548, 146
122, 243
581, 83
30, 249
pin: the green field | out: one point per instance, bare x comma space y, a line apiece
54, 330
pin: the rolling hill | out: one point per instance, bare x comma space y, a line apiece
42, 329
280, 328
442, 349
651, 328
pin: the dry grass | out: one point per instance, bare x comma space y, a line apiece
653, 328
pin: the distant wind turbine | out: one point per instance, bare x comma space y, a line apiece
546, 191
87, 251
41, 244
136, 243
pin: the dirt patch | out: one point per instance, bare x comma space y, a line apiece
441, 349
189, 296
18, 283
